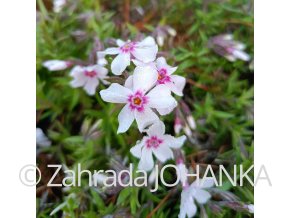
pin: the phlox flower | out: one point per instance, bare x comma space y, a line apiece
157, 143
88, 77
145, 50
224, 45
194, 192
56, 65
139, 99
164, 74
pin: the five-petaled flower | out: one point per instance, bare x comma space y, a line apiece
164, 74
145, 50
88, 77
194, 192
139, 99
157, 143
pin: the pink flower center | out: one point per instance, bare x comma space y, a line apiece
137, 101
153, 142
163, 77
128, 47
90, 74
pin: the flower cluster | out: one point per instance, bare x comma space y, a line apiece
149, 88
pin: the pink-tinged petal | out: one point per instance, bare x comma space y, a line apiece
157, 129
163, 152
173, 142
147, 42
111, 51
159, 97
120, 42
77, 70
144, 78
91, 85
161, 63
125, 118
165, 111
129, 82
115, 94
145, 118
201, 196
120, 63
137, 149
146, 162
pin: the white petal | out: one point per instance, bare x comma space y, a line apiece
187, 206
79, 77
201, 196
144, 78
120, 63
157, 129
125, 118
146, 162
161, 62
91, 86
41, 138
101, 71
165, 111
129, 82
146, 50
115, 93
174, 142
101, 58
55, 65
120, 42
159, 97
241, 55
205, 183
163, 152
178, 84
147, 42
137, 149
145, 118
182, 171
112, 51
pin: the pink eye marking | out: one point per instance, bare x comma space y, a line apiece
163, 77
153, 142
137, 101
90, 74
128, 47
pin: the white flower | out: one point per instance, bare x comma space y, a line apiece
58, 5
138, 101
41, 138
194, 192
145, 50
101, 59
55, 65
164, 73
88, 77
156, 143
